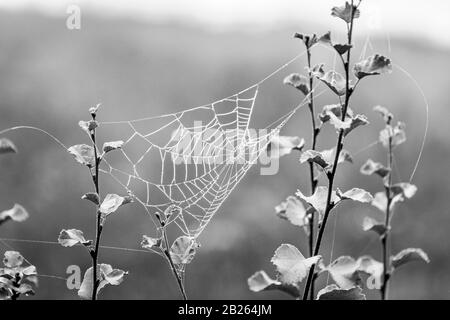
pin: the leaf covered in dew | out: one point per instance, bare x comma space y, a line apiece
346, 12
333, 292
283, 145
7, 146
12, 259
88, 126
112, 202
404, 189
150, 243
297, 81
385, 113
370, 224
93, 110
325, 158
291, 265
71, 237
106, 275
371, 167
373, 65
355, 194
373, 268
349, 124
409, 255
112, 145
335, 81
311, 39
344, 271
92, 196
260, 281
83, 154
293, 210
16, 213
183, 250
397, 134
336, 109
319, 199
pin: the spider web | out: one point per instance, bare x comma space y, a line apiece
182, 166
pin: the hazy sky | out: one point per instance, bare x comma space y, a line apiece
415, 18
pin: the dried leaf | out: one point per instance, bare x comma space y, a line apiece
370, 224
183, 250
409, 255
372, 167
111, 203
319, 199
335, 81
293, 210
346, 12
12, 259
92, 196
71, 237
373, 65
297, 81
260, 281
107, 275
150, 243
355, 194
112, 145
336, 109
283, 145
397, 134
7, 146
292, 266
83, 154
344, 271
332, 292
16, 213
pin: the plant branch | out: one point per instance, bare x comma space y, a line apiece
385, 238
172, 264
340, 144
98, 224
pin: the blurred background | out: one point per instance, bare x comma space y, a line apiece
145, 58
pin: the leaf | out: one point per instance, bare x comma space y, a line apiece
325, 158
311, 39
371, 167
25, 289
71, 237
92, 196
384, 112
93, 110
297, 81
283, 145
88, 126
293, 210
83, 154
345, 12
260, 281
373, 65
291, 264
335, 81
7, 146
319, 199
409, 255
106, 275
380, 201
397, 134
112, 145
16, 213
150, 243
342, 48
336, 109
404, 189
373, 268
355, 194
370, 224
332, 292
344, 271
183, 250
112, 202
12, 259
